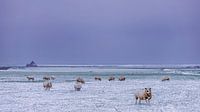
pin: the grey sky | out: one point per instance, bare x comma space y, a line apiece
99, 31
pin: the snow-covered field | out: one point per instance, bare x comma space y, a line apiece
180, 94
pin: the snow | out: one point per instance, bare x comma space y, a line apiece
180, 94
99, 96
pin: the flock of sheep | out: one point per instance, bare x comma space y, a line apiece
144, 94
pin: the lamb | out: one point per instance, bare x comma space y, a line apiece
143, 95
47, 85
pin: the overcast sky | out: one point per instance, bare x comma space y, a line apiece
99, 31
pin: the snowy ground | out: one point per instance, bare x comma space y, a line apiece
177, 95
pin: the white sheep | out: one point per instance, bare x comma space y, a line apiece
78, 86
143, 95
30, 78
47, 85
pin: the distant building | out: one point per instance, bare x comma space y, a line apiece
32, 64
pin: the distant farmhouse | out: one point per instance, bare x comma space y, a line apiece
32, 64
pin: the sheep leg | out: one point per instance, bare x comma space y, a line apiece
139, 101
136, 99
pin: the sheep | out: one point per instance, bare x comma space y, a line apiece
80, 80
97, 78
78, 86
30, 78
166, 78
122, 78
47, 85
143, 95
48, 78
111, 78
53, 78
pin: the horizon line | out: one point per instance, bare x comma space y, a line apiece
65, 65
